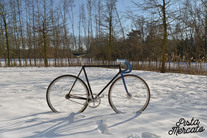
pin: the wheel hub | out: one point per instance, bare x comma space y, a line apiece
67, 96
129, 95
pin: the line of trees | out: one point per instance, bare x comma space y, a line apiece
153, 30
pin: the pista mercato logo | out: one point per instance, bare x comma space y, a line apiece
184, 126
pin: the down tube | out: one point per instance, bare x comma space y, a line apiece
108, 84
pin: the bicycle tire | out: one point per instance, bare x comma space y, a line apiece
139, 94
59, 87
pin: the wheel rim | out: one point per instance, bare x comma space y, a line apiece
57, 90
139, 97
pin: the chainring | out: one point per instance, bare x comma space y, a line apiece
93, 103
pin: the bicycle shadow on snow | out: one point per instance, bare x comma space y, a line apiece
78, 123
69, 125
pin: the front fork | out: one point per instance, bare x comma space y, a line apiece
123, 80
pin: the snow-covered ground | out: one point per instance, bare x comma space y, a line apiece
24, 111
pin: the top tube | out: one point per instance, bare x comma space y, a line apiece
127, 70
128, 65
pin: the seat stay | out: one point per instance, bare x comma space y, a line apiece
75, 81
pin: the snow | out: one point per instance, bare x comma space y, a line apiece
24, 111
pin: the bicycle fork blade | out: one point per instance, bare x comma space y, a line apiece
123, 80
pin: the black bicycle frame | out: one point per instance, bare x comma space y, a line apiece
89, 86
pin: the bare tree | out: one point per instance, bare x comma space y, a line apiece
110, 8
164, 11
4, 16
100, 9
66, 41
71, 16
28, 22
44, 31
83, 22
19, 7
90, 28
34, 37
204, 2
44, 28
205, 24
164, 20
119, 20
14, 35
1, 40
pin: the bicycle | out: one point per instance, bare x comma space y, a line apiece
127, 93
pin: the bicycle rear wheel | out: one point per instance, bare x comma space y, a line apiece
57, 94
136, 101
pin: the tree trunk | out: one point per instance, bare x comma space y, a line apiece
110, 39
45, 45
7, 42
21, 32
164, 37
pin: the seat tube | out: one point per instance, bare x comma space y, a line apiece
89, 86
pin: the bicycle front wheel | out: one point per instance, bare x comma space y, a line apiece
61, 89
137, 99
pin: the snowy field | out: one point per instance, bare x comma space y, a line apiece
176, 100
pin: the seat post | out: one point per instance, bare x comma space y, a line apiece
79, 58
